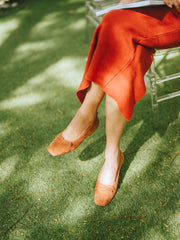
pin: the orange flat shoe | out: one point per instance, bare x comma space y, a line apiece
61, 146
105, 193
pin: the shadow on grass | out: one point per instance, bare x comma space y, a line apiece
88, 152
60, 191
45, 34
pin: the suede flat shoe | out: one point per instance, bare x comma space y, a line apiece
105, 193
61, 146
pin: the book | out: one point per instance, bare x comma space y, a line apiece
136, 4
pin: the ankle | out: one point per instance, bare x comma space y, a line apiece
110, 168
87, 114
111, 153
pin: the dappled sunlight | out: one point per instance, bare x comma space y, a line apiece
80, 10
155, 140
4, 129
34, 83
6, 29
32, 50
89, 167
143, 158
129, 135
18, 233
62, 73
65, 71
46, 23
22, 101
44, 55
39, 180
7, 167
173, 222
77, 209
78, 25
154, 234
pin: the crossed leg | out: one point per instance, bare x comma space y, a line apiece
86, 113
114, 127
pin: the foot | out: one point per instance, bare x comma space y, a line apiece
79, 123
60, 145
110, 167
105, 193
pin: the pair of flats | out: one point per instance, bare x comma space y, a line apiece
103, 193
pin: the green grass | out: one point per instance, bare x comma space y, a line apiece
43, 54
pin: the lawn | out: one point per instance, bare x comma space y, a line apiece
43, 54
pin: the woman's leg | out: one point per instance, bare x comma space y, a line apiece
115, 123
84, 123
107, 181
86, 113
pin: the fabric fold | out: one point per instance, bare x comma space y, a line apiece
122, 50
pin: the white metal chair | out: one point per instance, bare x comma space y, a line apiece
153, 78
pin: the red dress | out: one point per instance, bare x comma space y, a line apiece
122, 50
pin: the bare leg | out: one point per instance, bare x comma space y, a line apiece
86, 113
115, 123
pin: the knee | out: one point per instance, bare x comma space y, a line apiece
113, 17
116, 20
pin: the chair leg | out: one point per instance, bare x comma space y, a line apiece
87, 22
154, 101
87, 31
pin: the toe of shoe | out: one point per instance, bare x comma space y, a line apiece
52, 150
102, 199
57, 148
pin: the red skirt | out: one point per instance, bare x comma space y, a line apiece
122, 50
